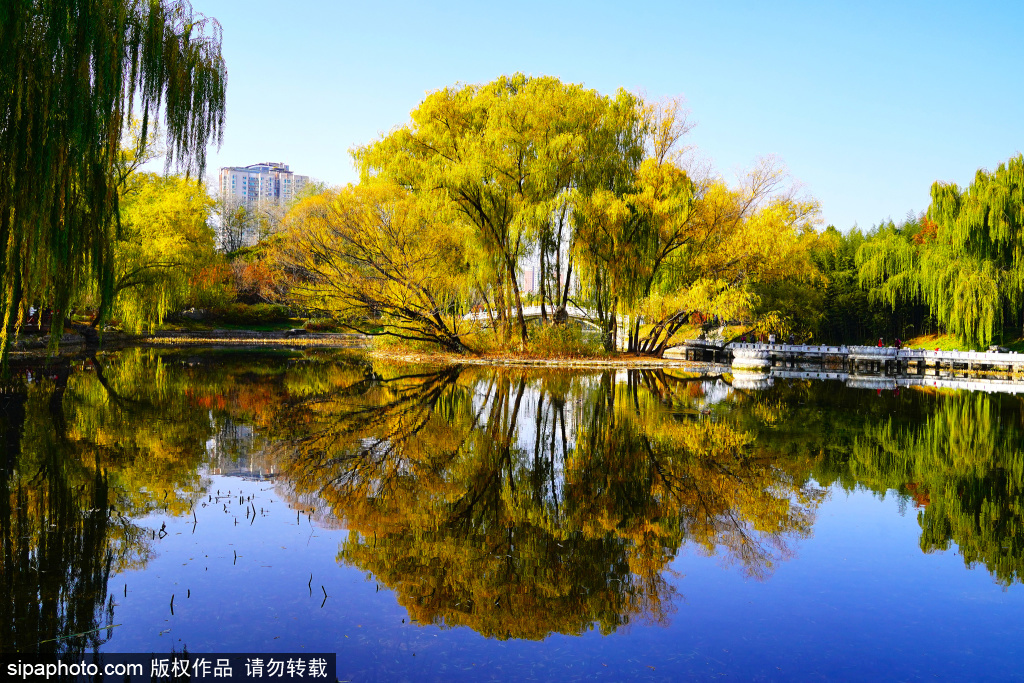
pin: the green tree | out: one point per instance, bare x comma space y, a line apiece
965, 261
844, 303
73, 73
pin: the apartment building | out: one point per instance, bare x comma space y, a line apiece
267, 182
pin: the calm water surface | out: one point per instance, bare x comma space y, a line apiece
475, 523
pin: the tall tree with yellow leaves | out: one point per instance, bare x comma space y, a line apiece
373, 254
501, 158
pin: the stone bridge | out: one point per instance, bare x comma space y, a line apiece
884, 360
585, 318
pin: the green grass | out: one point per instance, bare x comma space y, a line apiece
942, 342
1016, 345
949, 342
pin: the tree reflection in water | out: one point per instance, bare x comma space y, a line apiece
89, 448
519, 503
58, 544
960, 463
523, 505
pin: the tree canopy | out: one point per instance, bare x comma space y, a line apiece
377, 251
74, 74
163, 247
527, 171
964, 261
501, 157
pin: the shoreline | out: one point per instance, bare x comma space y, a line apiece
37, 348
632, 362
73, 346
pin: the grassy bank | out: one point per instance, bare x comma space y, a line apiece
949, 342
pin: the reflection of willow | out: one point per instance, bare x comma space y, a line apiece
955, 455
964, 465
59, 538
86, 451
522, 506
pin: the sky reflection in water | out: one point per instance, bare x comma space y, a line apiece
511, 523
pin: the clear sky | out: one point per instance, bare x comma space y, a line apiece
866, 102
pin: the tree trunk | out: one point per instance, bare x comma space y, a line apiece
634, 334
556, 284
518, 300
519, 311
654, 344
543, 278
568, 278
499, 299
613, 324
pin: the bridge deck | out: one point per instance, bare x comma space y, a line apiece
860, 363
877, 353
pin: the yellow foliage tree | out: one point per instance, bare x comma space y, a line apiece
376, 253
164, 241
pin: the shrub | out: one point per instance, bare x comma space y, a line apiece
211, 287
250, 314
323, 325
253, 281
563, 341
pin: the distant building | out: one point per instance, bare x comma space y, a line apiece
267, 182
529, 280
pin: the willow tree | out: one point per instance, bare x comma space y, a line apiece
165, 252
969, 269
673, 244
74, 70
378, 258
502, 158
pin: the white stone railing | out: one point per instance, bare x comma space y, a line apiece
710, 343
754, 350
873, 351
787, 348
975, 356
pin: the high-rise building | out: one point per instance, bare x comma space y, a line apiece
529, 280
267, 182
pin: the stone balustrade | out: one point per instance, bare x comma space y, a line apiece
760, 357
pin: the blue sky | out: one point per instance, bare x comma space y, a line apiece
867, 103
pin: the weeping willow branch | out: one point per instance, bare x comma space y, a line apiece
73, 72
972, 273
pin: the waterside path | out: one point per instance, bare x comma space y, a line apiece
858, 360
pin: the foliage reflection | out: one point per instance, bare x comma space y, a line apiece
518, 503
522, 505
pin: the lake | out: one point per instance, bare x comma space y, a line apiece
476, 523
